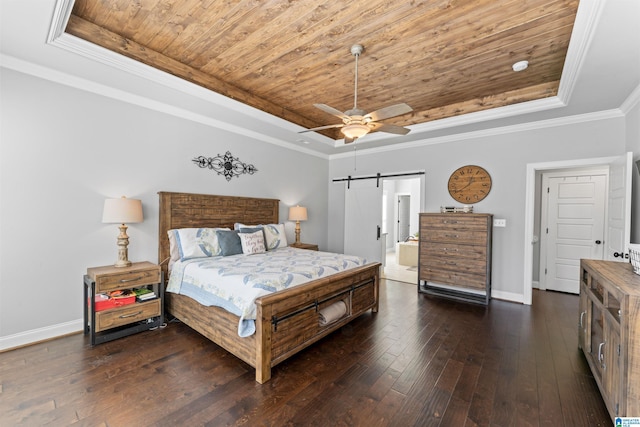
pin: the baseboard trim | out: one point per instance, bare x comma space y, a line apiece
507, 296
33, 336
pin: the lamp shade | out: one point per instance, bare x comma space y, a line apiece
122, 211
297, 213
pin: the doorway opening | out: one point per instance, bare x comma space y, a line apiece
402, 203
617, 210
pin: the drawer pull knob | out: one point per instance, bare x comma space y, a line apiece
124, 316
131, 280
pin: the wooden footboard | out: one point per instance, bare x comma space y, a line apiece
287, 321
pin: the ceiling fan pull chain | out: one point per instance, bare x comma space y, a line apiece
355, 145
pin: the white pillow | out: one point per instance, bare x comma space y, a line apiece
276, 238
252, 243
273, 233
187, 243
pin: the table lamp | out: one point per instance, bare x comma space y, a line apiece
297, 214
121, 211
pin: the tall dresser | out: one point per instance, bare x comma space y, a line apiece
455, 256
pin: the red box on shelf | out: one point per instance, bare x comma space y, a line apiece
104, 302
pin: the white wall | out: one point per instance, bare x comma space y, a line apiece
505, 157
632, 139
63, 151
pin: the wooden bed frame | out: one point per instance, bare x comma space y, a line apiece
287, 321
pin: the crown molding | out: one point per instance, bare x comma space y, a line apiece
541, 124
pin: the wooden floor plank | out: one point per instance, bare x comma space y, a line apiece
420, 361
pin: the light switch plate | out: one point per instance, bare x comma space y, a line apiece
499, 222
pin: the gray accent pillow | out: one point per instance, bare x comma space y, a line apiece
229, 241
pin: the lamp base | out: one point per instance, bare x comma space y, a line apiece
123, 251
297, 231
121, 263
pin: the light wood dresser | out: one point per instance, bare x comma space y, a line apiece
455, 256
609, 332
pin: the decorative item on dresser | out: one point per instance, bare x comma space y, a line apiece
121, 317
297, 214
121, 211
455, 256
287, 320
609, 332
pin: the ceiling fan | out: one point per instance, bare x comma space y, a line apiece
356, 122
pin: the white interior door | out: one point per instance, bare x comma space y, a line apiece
363, 220
404, 217
619, 206
573, 229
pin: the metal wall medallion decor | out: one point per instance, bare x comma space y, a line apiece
226, 165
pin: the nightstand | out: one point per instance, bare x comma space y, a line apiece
122, 320
309, 246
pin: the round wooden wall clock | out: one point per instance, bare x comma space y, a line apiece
469, 184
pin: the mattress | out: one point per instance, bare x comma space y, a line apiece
234, 282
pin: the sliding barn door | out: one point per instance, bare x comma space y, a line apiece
363, 219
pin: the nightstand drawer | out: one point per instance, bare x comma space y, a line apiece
128, 314
112, 278
127, 280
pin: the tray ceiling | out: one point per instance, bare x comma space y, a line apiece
442, 57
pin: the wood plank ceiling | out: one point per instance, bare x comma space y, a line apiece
442, 57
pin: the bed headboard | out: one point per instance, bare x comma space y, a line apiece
187, 210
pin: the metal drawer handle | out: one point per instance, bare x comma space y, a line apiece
131, 280
600, 355
124, 316
453, 235
581, 317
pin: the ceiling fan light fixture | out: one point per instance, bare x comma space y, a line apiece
355, 130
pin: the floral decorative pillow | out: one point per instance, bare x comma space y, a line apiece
274, 234
252, 243
276, 238
188, 243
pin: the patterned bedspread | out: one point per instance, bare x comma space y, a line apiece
234, 282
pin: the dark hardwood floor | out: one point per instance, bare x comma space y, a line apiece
420, 361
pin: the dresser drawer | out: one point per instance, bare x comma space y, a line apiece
128, 314
455, 221
462, 265
453, 251
453, 235
453, 278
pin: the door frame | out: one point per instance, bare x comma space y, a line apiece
530, 206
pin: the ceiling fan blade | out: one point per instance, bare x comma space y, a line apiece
381, 127
331, 110
391, 111
322, 128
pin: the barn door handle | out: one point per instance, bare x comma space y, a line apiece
598, 242
378, 235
